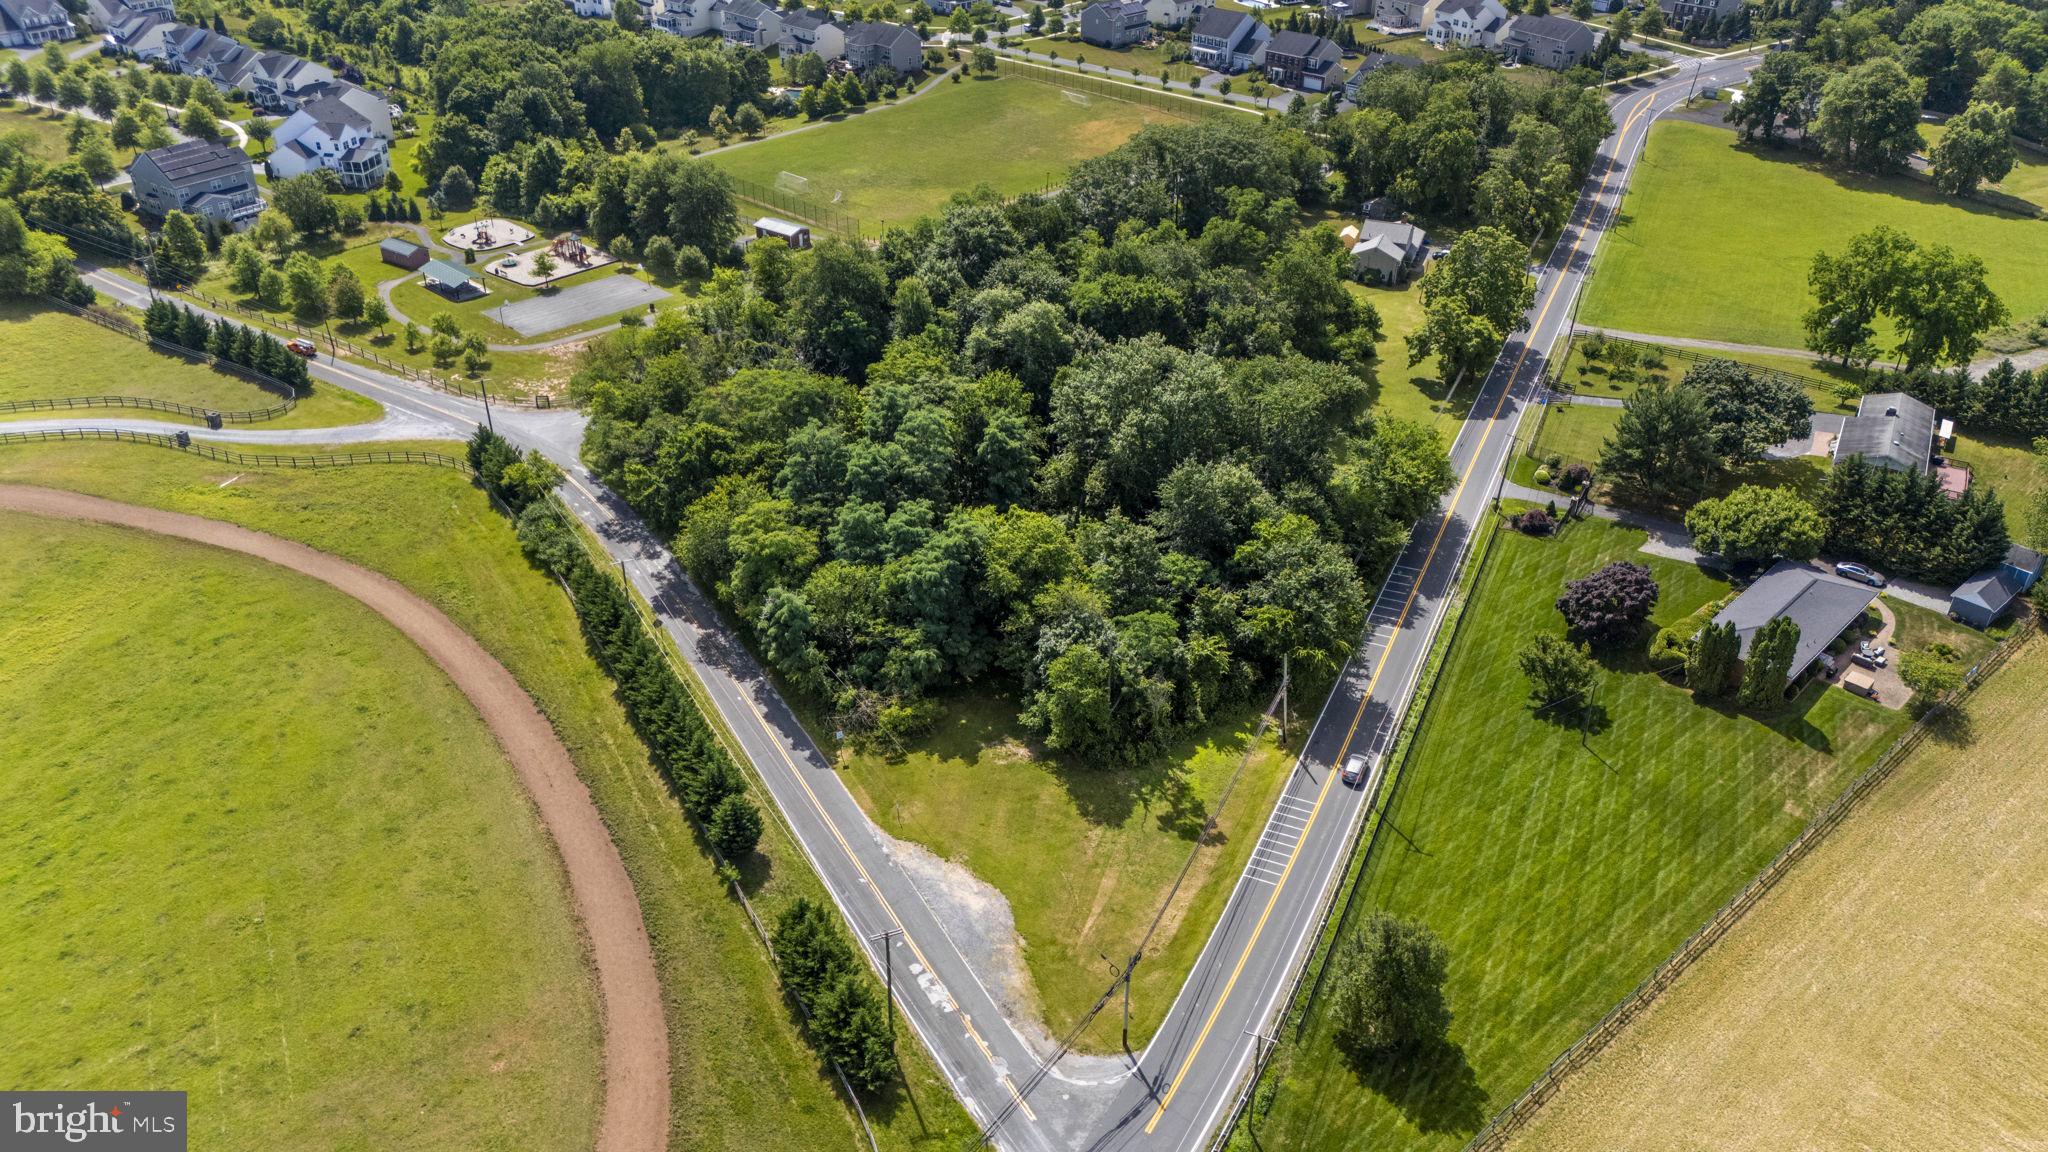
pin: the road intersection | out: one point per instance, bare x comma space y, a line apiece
1175, 1093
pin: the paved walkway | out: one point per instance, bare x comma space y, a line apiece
2030, 359
1667, 538
1280, 98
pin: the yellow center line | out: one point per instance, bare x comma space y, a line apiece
1407, 605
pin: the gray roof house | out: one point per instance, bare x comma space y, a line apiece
1985, 597
1398, 13
1823, 604
1116, 23
812, 30
104, 14
27, 23
1548, 41
1373, 62
1688, 13
1890, 430
1299, 60
1227, 41
139, 33
276, 80
748, 23
890, 46
200, 177
207, 54
1388, 251
452, 280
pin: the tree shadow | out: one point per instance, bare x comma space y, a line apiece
1901, 185
1434, 1087
1952, 726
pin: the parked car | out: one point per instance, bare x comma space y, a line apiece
1859, 573
1357, 766
300, 346
1870, 655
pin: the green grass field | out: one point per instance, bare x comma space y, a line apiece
2028, 179
896, 162
742, 1079
1715, 240
1085, 855
260, 850
51, 355
1559, 874
46, 128
1886, 994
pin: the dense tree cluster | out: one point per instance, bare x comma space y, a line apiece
1458, 142
1768, 667
1757, 523
1938, 299
1712, 663
1123, 462
1904, 521
225, 339
2007, 400
847, 1018
32, 262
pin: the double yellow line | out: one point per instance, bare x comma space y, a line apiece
1407, 606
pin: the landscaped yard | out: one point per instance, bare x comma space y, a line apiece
1085, 854
1716, 240
741, 1079
52, 355
1409, 392
1885, 995
1560, 872
260, 849
896, 162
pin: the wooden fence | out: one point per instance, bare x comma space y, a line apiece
1509, 1120
183, 442
213, 418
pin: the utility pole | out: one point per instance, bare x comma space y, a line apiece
1262, 1046
1283, 697
889, 975
1123, 976
485, 388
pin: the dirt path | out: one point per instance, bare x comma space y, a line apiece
635, 1116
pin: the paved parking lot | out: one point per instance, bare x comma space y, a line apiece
605, 296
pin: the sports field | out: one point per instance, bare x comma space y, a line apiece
1085, 855
51, 354
1715, 241
1886, 995
260, 850
1559, 873
741, 1077
895, 162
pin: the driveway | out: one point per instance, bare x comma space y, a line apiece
585, 302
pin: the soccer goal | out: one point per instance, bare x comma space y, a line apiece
1080, 98
792, 183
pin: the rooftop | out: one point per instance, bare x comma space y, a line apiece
198, 161
1823, 604
1891, 429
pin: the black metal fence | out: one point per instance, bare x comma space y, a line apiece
183, 442
802, 206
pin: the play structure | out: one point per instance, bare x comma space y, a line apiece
570, 253
487, 235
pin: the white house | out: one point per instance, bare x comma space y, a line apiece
27, 23
1171, 13
327, 132
1464, 23
595, 9
279, 81
683, 17
812, 30
748, 23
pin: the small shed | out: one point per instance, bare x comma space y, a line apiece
452, 280
402, 252
794, 235
1985, 597
1860, 682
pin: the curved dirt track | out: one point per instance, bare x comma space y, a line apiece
636, 1089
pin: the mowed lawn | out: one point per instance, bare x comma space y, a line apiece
1887, 994
1085, 854
259, 849
896, 162
53, 355
741, 1077
1716, 241
1558, 873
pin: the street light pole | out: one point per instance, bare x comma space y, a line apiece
889, 975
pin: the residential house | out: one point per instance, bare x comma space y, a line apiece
945, 7
199, 177
1552, 42
891, 46
1373, 62
1464, 23
682, 17
1400, 15
1227, 41
592, 9
28, 23
748, 23
1116, 23
1890, 430
1823, 604
139, 34
402, 253
1607, 7
1388, 251
812, 30
104, 14
329, 132
207, 55
1171, 13
1299, 60
1698, 13
452, 280
1346, 9
278, 81
1984, 599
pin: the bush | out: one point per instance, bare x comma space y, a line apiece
735, 828
1575, 478
1553, 460
1542, 476
1610, 604
1533, 522
1668, 648
1389, 995
690, 263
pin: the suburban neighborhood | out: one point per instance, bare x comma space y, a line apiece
1159, 575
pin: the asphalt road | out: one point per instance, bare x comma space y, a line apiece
1178, 1089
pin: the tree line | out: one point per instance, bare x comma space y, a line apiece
225, 340
1110, 446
